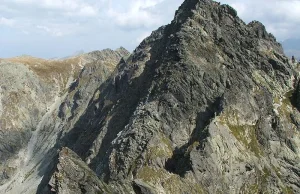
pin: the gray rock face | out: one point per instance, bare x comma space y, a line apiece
202, 105
206, 104
74, 176
16, 107
50, 82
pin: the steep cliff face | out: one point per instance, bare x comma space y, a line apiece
31, 89
206, 104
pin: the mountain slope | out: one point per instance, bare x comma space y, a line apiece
202, 105
206, 104
31, 90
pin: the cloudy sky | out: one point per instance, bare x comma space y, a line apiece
58, 28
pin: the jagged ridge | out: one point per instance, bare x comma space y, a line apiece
203, 105
194, 110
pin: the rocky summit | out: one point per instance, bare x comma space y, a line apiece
206, 104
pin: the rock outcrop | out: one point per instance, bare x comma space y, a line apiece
74, 176
206, 104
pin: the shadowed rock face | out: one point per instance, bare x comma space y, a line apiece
206, 104
31, 89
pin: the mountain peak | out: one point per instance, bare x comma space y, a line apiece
205, 104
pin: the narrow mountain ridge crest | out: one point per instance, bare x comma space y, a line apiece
205, 104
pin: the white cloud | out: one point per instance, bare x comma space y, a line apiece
134, 18
52, 17
70, 7
7, 22
52, 31
60, 29
55, 15
281, 17
148, 3
4, 8
25, 32
137, 14
87, 11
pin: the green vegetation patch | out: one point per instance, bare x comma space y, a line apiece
163, 149
287, 190
171, 183
286, 105
246, 134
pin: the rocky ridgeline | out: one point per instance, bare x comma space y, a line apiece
206, 104
30, 90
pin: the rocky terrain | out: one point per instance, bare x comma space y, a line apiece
30, 89
206, 104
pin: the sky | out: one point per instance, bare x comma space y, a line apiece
60, 28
